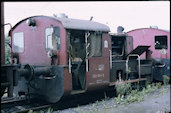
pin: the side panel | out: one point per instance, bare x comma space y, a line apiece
98, 75
67, 81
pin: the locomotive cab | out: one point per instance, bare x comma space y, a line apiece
84, 48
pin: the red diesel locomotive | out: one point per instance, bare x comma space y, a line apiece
57, 56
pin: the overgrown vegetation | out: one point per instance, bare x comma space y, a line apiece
122, 89
135, 95
166, 79
7, 50
125, 95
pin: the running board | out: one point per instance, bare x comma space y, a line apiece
77, 92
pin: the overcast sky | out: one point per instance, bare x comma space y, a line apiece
129, 14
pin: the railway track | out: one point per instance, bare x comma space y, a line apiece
24, 105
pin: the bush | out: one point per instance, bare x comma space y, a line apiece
158, 85
123, 88
166, 79
7, 50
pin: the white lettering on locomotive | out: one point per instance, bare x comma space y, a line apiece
98, 75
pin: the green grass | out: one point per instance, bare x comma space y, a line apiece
122, 88
166, 79
136, 95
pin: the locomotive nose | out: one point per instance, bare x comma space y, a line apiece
46, 82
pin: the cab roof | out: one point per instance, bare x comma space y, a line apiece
77, 24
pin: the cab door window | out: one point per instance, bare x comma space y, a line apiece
95, 41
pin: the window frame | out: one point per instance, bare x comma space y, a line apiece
95, 35
21, 36
57, 38
166, 42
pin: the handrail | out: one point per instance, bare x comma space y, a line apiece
87, 53
110, 59
127, 70
70, 64
162, 65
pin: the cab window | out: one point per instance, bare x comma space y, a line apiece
18, 42
53, 41
161, 42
